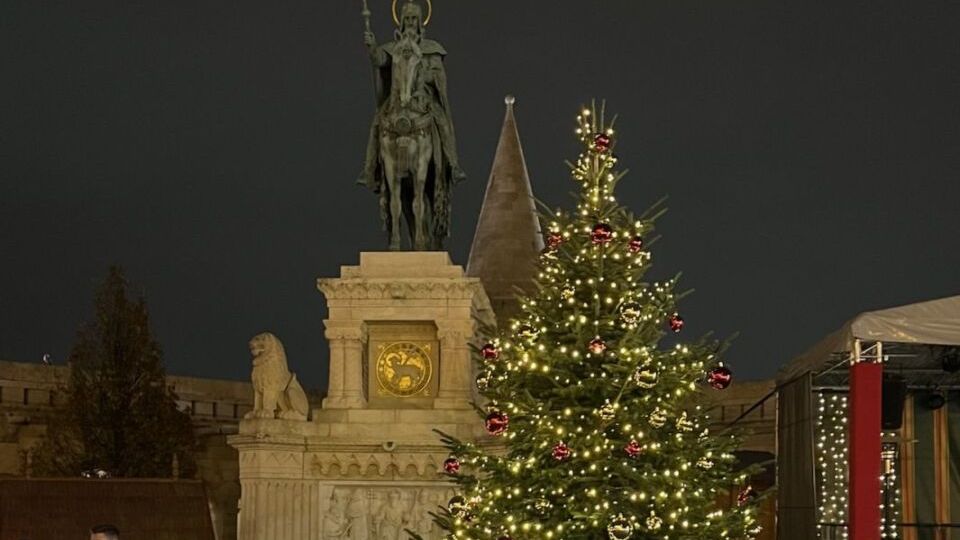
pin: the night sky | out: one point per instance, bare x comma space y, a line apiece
810, 152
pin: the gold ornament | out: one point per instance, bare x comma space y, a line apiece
645, 378
658, 418
620, 528
631, 313
542, 506
528, 332
483, 380
607, 412
653, 522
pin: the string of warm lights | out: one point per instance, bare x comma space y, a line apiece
832, 465
600, 428
890, 482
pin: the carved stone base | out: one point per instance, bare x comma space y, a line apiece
314, 480
368, 465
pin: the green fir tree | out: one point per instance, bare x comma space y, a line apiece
594, 398
118, 414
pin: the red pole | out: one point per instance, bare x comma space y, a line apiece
865, 467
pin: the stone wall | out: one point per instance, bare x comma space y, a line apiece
758, 428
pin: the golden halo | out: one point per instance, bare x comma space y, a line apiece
426, 21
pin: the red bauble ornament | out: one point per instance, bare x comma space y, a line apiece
676, 322
602, 234
497, 423
602, 142
490, 352
636, 244
561, 451
597, 346
554, 240
451, 465
720, 377
633, 449
747, 495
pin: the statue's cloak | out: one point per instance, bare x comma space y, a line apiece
445, 166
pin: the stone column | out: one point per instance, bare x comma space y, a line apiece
276, 502
354, 343
334, 397
456, 368
345, 389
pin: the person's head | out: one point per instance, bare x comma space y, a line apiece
104, 532
411, 18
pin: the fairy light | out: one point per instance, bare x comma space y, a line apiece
832, 466
831, 454
890, 519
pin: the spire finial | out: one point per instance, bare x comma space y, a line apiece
509, 100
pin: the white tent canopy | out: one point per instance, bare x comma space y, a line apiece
935, 322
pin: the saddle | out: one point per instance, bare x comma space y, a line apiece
406, 123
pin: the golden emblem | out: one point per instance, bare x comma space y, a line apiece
404, 369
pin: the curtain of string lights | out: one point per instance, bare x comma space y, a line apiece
832, 460
890, 520
832, 466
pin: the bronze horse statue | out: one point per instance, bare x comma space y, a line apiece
411, 160
406, 149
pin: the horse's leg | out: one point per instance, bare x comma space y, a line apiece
424, 152
408, 216
388, 149
406, 161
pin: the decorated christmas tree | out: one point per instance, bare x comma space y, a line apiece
594, 397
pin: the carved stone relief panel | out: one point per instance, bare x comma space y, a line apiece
382, 512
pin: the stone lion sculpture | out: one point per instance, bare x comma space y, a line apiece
274, 386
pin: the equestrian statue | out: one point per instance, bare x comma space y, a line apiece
411, 161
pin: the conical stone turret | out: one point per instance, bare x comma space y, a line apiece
508, 240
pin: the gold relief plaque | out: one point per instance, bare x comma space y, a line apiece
404, 369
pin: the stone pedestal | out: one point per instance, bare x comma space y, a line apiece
368, 464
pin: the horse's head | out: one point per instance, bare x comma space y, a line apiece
405, 64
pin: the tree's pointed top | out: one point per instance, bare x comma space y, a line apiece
507, 241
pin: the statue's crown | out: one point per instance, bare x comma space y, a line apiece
412, 8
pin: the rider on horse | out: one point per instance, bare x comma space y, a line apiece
412, 101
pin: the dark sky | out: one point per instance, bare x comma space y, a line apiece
810, 152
